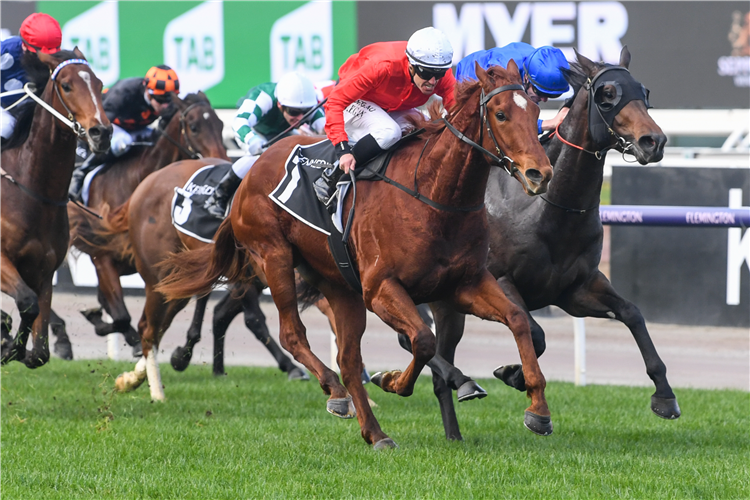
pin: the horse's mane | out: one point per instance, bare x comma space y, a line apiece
464, 90
172, 110
38, 74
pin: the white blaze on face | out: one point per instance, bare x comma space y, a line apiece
206, 115
87, 78
520, 101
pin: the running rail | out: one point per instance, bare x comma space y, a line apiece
648, 215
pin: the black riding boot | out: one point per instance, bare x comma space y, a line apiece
79, 174
365, 150
216, 204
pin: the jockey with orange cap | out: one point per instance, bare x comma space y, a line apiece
39, 33
378, 87
131, 105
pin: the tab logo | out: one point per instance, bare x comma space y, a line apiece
96, 33
303, 41
194, 47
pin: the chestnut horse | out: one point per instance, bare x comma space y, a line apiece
141, 232
406, 251
546, 251
37, 165
189, 129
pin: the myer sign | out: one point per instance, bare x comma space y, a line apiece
194, 47
303, 41
96, 33
597, 26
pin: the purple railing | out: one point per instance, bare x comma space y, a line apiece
649, 215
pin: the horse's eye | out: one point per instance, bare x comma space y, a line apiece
500, 116
65, 87
193, 128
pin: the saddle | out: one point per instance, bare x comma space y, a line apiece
188, 214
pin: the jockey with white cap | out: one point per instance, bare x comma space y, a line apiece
378, 87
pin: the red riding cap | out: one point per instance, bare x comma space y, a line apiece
40, 32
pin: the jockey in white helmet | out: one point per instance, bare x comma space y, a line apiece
378, 87
265, 112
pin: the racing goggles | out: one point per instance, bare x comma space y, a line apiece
295, 111
429, 73
165, 98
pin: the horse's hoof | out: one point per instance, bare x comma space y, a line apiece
665, 407
131, 337
537, 423
341, 407
12, 352
470, 390
512, 375
63, 350
377, 379
137, 350
180, 359
385, 444
297, 374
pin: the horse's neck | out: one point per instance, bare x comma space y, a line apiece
577, 175
457, 171
163, 152
46, 160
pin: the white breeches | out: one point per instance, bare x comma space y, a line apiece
365, 117
242, 166
7, 123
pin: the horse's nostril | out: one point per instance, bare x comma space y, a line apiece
647, 143
95, 132
534, 175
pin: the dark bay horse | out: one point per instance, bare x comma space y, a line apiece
37, 165
406, 251
546, 251
141, 232
189, 129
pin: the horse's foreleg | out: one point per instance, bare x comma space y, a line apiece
62, 347
394, 306
599, 299
110, 297
225, 311
182, 355
277, 266
39, 354
486, 300
255, 320
27, 303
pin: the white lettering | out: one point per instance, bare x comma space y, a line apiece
623, 216
545, 30
601, 25
504, 28
738, 252
466, 32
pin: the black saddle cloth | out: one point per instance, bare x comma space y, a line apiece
188, 214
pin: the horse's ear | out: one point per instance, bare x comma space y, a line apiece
78, 53
482, 75
49, 60
177, 102
513, 72
625, 57
203, 97
587, 64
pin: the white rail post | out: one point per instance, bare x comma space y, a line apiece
334, 354
579, 345
113, 345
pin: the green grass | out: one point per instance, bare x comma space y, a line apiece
252, 434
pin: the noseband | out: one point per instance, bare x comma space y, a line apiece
190, 151
501, 158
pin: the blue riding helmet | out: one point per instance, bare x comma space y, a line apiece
544, 68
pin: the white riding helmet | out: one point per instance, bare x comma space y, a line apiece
296, 91
429, 47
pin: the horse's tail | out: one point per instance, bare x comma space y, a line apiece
195, 272
106, 235
307, 294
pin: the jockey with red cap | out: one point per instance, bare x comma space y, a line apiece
378, 87
39, 33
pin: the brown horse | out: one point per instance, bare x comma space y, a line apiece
38, 162
406, 251
546, 251
190, 129
141, 232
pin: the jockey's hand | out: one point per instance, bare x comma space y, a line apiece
347, 163
305, 129
552, 123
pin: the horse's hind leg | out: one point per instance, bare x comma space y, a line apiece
255, 320
486, 300
599, 299
6, 326
224, 312
62, 347
182, 355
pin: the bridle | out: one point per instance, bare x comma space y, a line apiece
189, 151
500, 158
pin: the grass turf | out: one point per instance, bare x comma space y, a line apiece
252, 434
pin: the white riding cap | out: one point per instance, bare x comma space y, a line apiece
296, 91
429, 47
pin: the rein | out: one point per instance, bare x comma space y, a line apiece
37, 197
190, 151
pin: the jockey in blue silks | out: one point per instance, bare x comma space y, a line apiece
541, 72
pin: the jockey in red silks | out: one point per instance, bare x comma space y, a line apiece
378, 87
